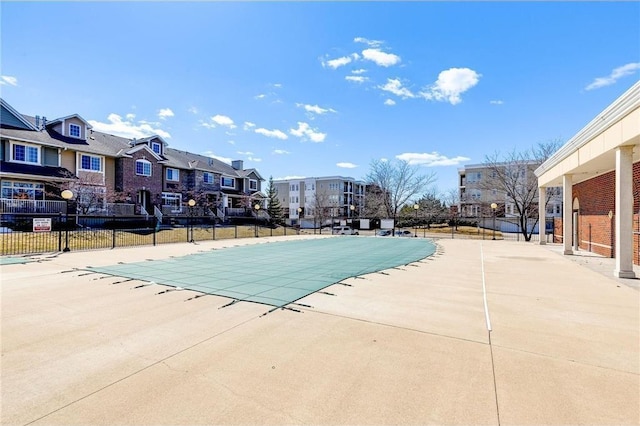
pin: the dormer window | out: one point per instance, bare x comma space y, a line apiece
74, 130
156, 147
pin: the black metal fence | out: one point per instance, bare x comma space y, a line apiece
38, 233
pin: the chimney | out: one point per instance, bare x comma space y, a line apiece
44, 121
38, 122
237, 164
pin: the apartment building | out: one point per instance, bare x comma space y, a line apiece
478, 190
39, 158
321, 197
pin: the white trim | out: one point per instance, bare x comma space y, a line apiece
17, 114
156, 143
256, 182
144, 146
213, 178
222, 185
79, 163
79, 131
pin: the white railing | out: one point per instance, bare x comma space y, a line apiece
157, 213
32, 206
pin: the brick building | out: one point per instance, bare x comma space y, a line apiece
599, 170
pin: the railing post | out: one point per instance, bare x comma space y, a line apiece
113, 234
60, 231
214, 229
155, 227
236, 230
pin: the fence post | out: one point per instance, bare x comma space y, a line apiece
236, 230
60, 231
113, 234
155, 227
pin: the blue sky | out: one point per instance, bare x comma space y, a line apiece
314, 89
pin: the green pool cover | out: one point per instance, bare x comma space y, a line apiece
276, 273
8, 260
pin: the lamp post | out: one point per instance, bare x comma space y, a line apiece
191, 203
257, 208
416, 207
67, 195
299, 217
494, 206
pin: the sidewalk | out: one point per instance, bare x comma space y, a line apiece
408, 346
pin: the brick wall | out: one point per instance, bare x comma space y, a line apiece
127, 181
597, 198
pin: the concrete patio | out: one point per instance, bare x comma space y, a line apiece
408, 346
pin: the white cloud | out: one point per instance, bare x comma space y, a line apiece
278, 85
260, 96
615, 75
164, 113
496, 102
356, 78
217, 157
207, 125
231, 142
306, 132
245, 152
315, 109
130, 116
248, 125
360, 71
346, 165
7, 79
373, 43
193, 110
381, 58
257, 160
430, 159
127, 128
280, 152
395, 86
451, 84
272, 133
223, 120
339, 62
390, 102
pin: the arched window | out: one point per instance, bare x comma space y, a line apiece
143, 168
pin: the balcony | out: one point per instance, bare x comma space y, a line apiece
8, 205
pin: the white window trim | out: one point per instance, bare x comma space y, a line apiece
79, 131
143, 161
156, 143
12, 144
100, 157
256, 184
226, 186
177, 174
204, 174
175, 195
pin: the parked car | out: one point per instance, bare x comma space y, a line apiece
343, 230
383, 232
404, 234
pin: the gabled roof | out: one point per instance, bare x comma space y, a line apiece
17, 117
150, 138
190, 161
61, 119
247, 172
145, 147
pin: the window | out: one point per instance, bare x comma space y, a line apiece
74, 130
90, 162
26, 154
172, 200
207, 177
156, 147
22, 190
173, 174
228, 182
253, 185
143, 168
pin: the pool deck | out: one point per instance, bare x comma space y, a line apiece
408, 346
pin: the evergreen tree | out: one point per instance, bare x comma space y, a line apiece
274, 208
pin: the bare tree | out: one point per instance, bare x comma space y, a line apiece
513, 176
322, 207
398, 182
89, 193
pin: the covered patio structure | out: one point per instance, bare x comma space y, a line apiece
599, 172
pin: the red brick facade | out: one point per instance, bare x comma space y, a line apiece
597, 198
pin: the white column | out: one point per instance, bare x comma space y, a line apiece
567, 210
624, 212
542, 214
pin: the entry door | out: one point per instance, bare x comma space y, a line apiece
144, 199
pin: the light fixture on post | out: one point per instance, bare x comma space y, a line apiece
416, 207
191, 203
67, 195
494, 206
257, 209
